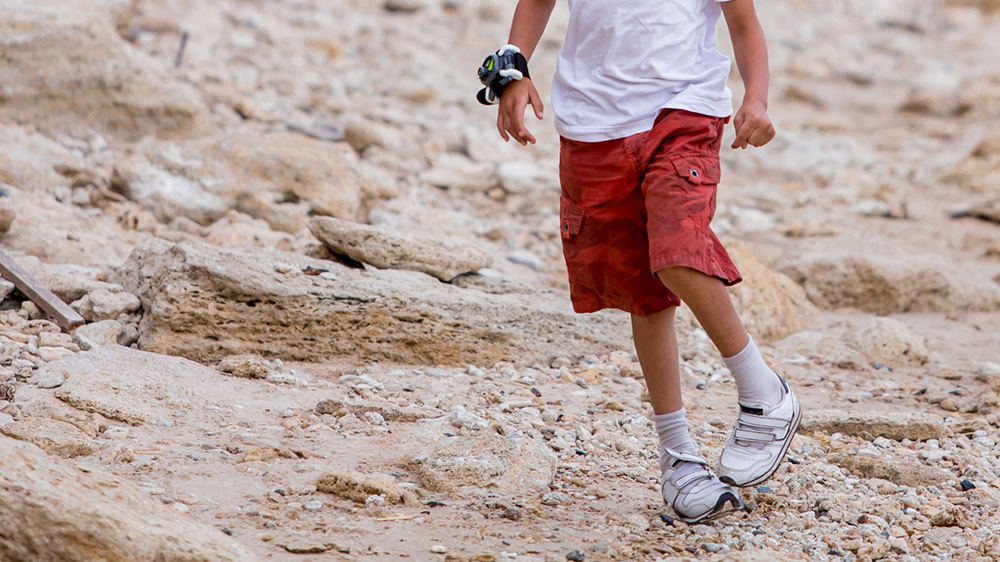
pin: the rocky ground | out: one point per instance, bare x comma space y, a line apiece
326, 306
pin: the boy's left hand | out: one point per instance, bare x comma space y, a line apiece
753, 126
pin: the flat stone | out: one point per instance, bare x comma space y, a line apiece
386, 250
51, 378
891, 425
897, 471
136, 387
56, 437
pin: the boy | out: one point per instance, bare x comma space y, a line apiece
640, 99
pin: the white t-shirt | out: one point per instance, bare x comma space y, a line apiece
625, 60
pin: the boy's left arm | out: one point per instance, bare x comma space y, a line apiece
752, 124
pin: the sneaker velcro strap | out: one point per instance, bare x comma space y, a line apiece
683, 481
762, 421
686, 457
749, 435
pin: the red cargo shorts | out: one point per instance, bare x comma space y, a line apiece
633, 206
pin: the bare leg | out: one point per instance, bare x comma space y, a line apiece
656, 346
709, 301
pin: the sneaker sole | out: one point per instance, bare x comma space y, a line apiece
796, 420
728, 503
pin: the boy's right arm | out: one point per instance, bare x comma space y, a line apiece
530, 19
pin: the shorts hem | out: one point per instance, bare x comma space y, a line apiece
590, 306
706, 262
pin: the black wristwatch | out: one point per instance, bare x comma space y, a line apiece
498, 71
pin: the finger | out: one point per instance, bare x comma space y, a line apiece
521, 134
536, 103
741, 137
761, 135
739, 125
502, 127
515, 132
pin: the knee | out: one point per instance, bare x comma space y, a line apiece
664, 316
673, 276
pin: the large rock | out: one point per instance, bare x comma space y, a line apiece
891, 425
136, 387
204, 303
888, 341
885, 277
55, 511
486, 463
324, 175
385, 250
66, 68
771, 305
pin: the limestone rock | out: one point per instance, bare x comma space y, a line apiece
205, 302
901, 472
324, 175
823, 350
66, 68
884, 277
488, 461
136, 387
385, 250
105, 305
56, 437
165, 194
246, 366
889, 342
891, 425
771, 305
361, 134
358, 487
97, 334
54, 510
69, 287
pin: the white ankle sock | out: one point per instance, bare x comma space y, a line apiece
757, 385
672, 429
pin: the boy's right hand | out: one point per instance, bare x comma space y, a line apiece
510, 116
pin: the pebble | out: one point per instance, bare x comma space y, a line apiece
554, 498
48, 379
575, 556
439, 549
314, 505
115, 432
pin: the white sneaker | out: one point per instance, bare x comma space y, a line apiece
693, 491
759, 441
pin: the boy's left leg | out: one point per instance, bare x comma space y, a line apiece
769, 412
688, 486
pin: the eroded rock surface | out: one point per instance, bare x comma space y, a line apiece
204, 303
54, 511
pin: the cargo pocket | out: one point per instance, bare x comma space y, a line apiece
570, 218
698, 169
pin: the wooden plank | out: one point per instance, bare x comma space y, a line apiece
66, 317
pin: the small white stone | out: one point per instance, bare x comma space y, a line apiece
375, 500
115, 433
439, 549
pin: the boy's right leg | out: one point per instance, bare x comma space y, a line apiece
689, 487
